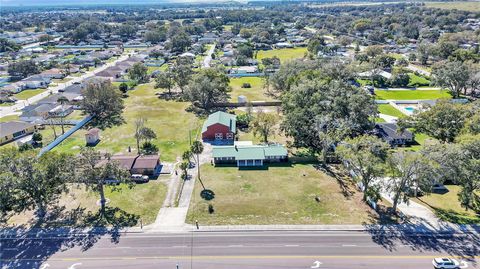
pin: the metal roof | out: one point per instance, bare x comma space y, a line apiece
222, 118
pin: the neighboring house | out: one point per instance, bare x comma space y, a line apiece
219, 128
60, 111
53, 73
37, 112
244, 70
36, 81
249, 155
391, 134
12, 130
92, 137
139, 164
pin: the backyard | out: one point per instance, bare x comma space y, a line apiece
411, 94
281, 194
255, 93
388, 109
168, 119
447, 207
284, 55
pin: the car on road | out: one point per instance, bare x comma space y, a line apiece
140, 178
445, 263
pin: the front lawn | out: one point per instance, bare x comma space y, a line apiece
255, 93
284, 55
9, 118
418, 81
411, 94
388, 109
281, 194
447, 207
25, 94
168, 119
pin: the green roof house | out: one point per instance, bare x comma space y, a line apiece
249, 155
219, 128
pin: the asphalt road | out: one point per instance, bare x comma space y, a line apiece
251, 250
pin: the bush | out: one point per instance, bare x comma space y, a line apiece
246, 85
243, 120
149, 148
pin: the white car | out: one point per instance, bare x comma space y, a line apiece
445, 263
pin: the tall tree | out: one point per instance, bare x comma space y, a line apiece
454, 76
411, 172
38, 181
208, 87
443, 121
365, 155
138, 73
94, 168
197, 149
62, 100
264, 125
102, 101
182, 72
165, 80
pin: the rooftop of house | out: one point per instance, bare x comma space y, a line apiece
11, 127
392, 131
223, 118
249, 152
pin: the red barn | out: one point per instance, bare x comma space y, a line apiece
219, 128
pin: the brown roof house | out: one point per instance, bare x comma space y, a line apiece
139, 164
92, 137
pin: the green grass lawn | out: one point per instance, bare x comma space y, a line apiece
9, 118
447, 207
168, 119
279, 195
283, 54
144, 201
472, 6
421, 140
25, 94
255, 93
418, 81
411, 95
387, 109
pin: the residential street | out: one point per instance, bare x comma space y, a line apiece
9, 110
287, 249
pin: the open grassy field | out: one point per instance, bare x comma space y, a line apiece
460, 5
284, 55
282, 194
411, 95
255, 93
387, 109
168, 119
25, 94
447, 207
143, 201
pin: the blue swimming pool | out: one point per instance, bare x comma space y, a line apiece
409, 109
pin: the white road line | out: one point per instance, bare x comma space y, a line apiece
291, 245
349, 245
235, 246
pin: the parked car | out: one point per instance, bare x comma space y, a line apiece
445, 263
437, 187
140, 178
112, 181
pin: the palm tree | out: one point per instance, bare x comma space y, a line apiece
197, 149
62, 100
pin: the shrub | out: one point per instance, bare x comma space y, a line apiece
246, 85
149, 148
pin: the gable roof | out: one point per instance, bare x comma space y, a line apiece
249, 152
392, 131
223, 118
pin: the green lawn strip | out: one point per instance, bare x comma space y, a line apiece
282, 194
471, 6
422, 139
168, 119
447, 207
9, 118
411, 94
255, 93
25, 94
388, 109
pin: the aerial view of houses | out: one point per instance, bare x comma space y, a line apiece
263, 116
